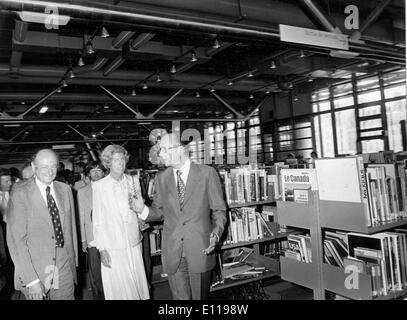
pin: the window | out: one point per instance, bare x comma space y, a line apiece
327, 138
369, 111
395, 91
346, 131
395, 111
369, 96
375, 145
344, 102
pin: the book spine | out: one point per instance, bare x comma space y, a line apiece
363, 187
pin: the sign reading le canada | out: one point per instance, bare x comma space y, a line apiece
314, 37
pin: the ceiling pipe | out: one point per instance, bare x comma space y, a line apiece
112, 120
67, 141
121, 102
94, 67
19, 34
317, 15
117, 43
43, 99
90, 150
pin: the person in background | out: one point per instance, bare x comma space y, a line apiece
27, 171
15, 175
95, 171
5, 186
81, 179
3, 262
189, 198
314, 155
41, 233
116, 229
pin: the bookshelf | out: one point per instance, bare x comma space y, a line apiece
318, 275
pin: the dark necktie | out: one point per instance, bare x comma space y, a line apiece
56, 221
180, 187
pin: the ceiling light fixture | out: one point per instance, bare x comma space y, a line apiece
173, 69
295, 98
59, 90
302, 55
230, 82
44, 109
133, 92
216, 44
250, 74
197, 95
273, 64
212, 89
145, 85
290, 85
80, 62
193, 57
310, 79
71, 74
106, 106
251, 96
63, 83
158, 78
104, 33
267, 91
89, 48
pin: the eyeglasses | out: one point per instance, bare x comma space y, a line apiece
96, 171
165, 150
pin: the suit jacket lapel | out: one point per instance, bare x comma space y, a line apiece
193, 178
39, 202
172, 187
60, 202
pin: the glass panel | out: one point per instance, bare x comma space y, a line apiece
369, 111
342, 89
395, 91
315, 107
367, 83
317, 135
394, 77
324, 106
343, 102
371, 133
395, 111
321, 95
369, 96
373, 123
327, 135
372, 145
346, 131
284, 128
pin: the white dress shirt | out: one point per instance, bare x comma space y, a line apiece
4, 198
184, 176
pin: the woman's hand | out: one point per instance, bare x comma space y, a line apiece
105, 258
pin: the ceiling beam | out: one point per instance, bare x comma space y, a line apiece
172, 97
116, 98
227, 105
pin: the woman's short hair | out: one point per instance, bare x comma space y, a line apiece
93, 165
108, 152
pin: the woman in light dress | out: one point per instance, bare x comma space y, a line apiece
116, 229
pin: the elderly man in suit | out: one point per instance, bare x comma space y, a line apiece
41, 233
95, 171
189, 198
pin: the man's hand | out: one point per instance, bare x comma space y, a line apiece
36, 292
212, 243
138, 204
84, 247
105, 258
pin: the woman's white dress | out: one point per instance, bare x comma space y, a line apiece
116, 230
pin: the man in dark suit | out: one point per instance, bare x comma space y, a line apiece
189, 198
95, 171
41, 233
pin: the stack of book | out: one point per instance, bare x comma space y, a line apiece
299, 248
380, 188
247, 224
335, 248
296, 184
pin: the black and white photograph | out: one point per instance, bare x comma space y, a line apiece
221, 152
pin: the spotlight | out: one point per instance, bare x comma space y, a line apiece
71, 74
44, 109
193, 57
212, 89
144, 85
89, 48
302, 55
295, 98
63, 83
133, 92
267, 91
273, 65
250, 74
173, 69
229, 83
197, 95
290, 85
104, 33
59, 90
158, 78
106, 106
216, 44
80, 62
251, 96
310, 79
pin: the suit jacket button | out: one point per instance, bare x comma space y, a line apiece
53, 259
182, 239
183, 223
52, 237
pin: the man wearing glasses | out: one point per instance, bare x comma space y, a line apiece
95, 171
189, 198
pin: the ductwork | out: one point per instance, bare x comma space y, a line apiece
133, 16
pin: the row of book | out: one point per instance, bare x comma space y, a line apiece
299, 248
246, 224
381, 188
383, 256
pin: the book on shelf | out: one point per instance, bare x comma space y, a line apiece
386, 250
296, 183
380, 188
155, 240
299, 248
246, 224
